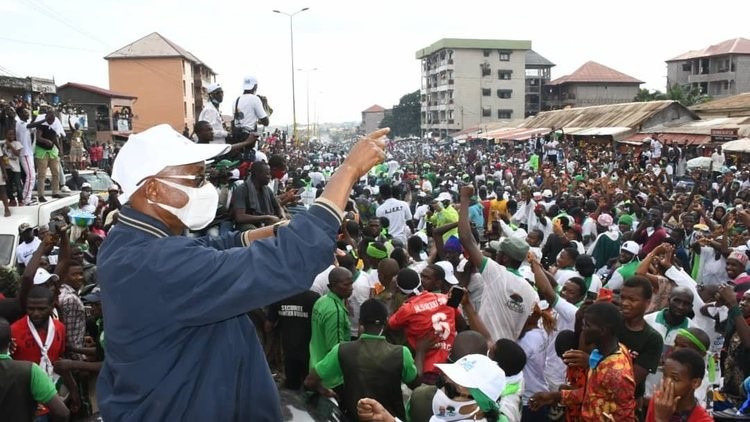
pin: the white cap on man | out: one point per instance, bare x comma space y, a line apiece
149, 152
249, 82
213, 87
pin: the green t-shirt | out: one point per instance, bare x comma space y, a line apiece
330, 326
42, 387
329, 369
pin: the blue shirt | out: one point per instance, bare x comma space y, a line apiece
179, 343
476, 215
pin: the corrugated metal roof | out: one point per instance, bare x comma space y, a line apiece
631, 115
735, 103
473, 44
599, 131
592, 72
670, 138
733, 46
153, 45
97, 90
703, 127
534, 59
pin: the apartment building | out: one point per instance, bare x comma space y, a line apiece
371, 118
720, 70
169, 81
592, 84
472, 82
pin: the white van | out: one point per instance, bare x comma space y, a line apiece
36, 215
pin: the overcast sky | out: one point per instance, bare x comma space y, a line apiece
364, 52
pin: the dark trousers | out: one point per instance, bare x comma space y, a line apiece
15, 186
540, 415
295, 371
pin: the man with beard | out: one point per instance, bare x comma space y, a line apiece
627, 262
212, 115
668, 322
650, 232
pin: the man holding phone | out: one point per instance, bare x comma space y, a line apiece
425, 315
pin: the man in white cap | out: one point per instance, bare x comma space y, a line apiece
212, 115
248, 111
178, 337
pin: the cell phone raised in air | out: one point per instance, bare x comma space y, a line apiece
591, 295
455, 295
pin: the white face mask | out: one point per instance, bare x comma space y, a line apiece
446, 409
200, 209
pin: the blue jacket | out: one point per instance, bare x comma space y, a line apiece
179, 343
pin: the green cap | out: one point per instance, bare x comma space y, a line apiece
225, 164
625, 219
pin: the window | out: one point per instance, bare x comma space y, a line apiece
504, 114
504, 93
486, 53
504, 55
486, 92
687, 67
486, 70
486, 112
184, 103
184, 89
504, 74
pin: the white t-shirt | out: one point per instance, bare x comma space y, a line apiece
507, 301
397, 212
565, 315
316, 178
420, 214
656, 146
589, 229
360, 293
320, 284
24, 250
534, 343
212, 115
252, 110
652, 380
13, 162
24, 137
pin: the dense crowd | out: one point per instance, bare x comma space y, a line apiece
549, 279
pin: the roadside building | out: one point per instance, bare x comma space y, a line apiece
591, 84
109, 114
720, 70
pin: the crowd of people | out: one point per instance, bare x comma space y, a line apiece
543, 280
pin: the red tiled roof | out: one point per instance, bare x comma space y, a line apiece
374, 109
733, 46
97, 90
594, 72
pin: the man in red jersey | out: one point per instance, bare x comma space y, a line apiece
424, 315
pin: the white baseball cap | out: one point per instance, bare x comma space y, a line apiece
213, 87
249, 82
476, 371
444, 196
42, 276
234, 174
448, 270
547, 193
631, 247
147, 153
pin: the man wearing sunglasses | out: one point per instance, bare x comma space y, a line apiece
178, 339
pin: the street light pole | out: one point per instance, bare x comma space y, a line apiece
291, 40
307, 95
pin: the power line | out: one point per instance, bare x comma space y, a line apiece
8, 72
48, 45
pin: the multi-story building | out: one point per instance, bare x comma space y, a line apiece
470, 82
720, 70
169, 81
371, 118
590, 85
109, 114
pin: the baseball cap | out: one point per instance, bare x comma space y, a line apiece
444, 196
234, 174
738, 256
631, 247
408, 281
42, 276
223, 164
23, 227
147, 153
249, 82
448, 270
476, 371
547, 193
113, 188
514, 247
85, 185
453, 245
213, 87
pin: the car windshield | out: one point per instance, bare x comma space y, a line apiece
100, 181
7, 244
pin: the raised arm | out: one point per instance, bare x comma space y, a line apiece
464, 228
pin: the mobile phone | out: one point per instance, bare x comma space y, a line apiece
591, 295
455, 295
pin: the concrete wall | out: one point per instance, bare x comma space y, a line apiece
601, 94
469, 82
158, 84
371, 120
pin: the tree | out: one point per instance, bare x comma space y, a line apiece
404, 118
687, 96
645, 95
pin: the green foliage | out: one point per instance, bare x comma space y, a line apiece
687, 97
404, 118
10, 282
645, 95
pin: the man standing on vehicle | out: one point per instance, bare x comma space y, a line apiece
248, 111
27, 153
212, 115
179, 341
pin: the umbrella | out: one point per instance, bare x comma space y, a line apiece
699, 163
740, 145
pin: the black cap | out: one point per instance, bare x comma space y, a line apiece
373, 312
